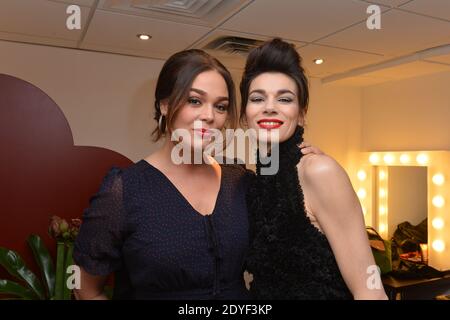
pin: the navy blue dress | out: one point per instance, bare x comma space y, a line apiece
140, 227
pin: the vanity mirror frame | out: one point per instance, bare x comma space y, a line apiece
372, 181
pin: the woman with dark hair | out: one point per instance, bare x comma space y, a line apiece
172, 231
308, 239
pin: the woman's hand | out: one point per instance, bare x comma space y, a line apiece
306, 148
248, 278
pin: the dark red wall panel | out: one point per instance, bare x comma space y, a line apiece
41, 172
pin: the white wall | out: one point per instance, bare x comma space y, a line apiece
334, 120
411, 114
106, 98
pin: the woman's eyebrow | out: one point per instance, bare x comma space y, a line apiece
279, 92
282, 91
199, 91
204, 93
261, 91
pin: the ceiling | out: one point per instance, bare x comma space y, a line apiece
414, 38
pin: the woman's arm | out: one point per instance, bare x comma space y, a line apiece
91, 287
332, 200
97, 248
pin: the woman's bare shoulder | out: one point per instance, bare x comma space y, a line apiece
313, 166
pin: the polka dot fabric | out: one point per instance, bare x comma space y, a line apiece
140, 227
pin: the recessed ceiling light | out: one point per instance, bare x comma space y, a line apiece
144, 36
318, 61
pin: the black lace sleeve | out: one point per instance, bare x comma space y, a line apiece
97, 248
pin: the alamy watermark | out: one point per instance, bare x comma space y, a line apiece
373, 22
74, 278
374, 280
73, 21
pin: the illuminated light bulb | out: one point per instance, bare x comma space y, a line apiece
438, 223
318, 61
374, 158
389, 159
383, 193
382, 175
438, 179
382, 227
422, 158
362, 193
438, 245
438, 201
143, 36
404, 158
383, 210
362, 175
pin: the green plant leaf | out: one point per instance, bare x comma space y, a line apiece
16, 267
13, 288
60, 263
44, 261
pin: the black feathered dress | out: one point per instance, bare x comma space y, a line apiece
288, 256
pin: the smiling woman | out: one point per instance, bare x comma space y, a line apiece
307, 233
175, 88
274, 91
172, 231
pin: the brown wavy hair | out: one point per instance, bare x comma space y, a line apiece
175, 81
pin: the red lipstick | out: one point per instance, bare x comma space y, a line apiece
270, 123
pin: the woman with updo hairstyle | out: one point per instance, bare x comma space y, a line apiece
307, 233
